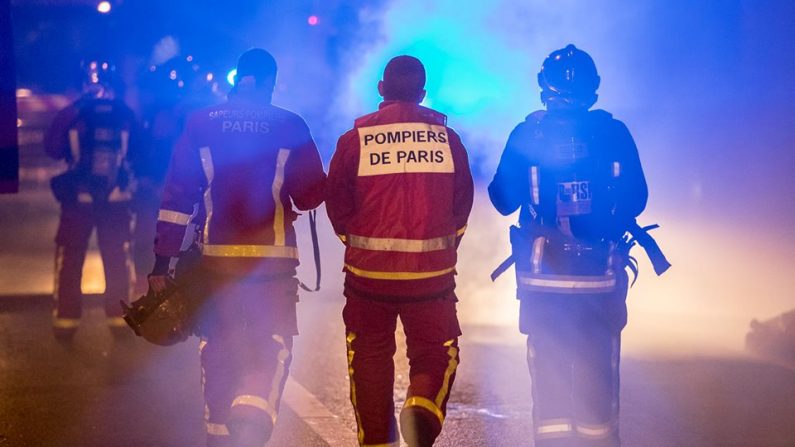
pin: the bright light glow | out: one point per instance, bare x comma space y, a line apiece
103, 7
19, 122
173, 75
209, 77
24, 93
230, 77
313, 20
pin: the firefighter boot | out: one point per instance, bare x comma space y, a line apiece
249, 432
419, 426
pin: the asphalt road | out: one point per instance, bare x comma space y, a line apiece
685, 378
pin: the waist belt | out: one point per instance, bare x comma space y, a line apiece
541, 282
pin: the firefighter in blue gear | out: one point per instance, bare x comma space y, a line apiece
97, 137
575, 176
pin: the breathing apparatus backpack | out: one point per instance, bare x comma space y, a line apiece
573, 242
98, 143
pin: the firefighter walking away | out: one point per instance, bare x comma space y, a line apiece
246, 163
399, 195
575, 176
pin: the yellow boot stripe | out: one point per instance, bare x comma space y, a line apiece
349, 342
419, 401
452, 364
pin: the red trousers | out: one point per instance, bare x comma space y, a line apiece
246, 352
112, 221
432, 332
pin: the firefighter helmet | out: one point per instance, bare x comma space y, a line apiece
100, 79
160, 318
568, 79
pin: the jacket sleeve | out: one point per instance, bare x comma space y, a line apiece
341, 183
509, 188
184, 184
135, 148
305, 178
56, 141
464, 185
631, 190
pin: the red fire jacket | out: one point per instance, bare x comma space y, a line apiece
246, 164
399, 193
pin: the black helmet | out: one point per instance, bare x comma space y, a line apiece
568, 79
160, 318
100, 79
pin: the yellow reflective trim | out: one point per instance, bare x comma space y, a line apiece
419, 401
452, 364
65, 323
349, 338
278, 211
116, 322
401, 245
278, 376
74, 145
174, 217
342, 238
461, 231
256, 402
396, 275
600, 431
250, 251
209, 173
217, 429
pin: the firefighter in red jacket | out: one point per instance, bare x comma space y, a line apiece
97, 137
398, 195
246, 163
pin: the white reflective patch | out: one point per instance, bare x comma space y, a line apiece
563, 282
404, 148
173, 217
544, 429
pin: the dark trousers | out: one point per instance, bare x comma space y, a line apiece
432, 332
573, 352
246, 352
112, 221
